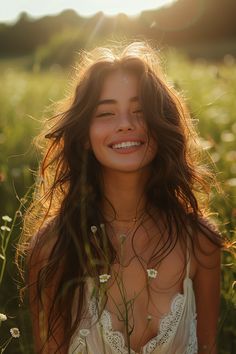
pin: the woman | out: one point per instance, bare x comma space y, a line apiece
123, 258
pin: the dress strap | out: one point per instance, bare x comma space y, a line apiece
188, 259
188, 255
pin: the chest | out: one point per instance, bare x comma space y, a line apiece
140, 296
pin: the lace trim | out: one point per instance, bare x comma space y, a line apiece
168, 325
114, 338
192, 343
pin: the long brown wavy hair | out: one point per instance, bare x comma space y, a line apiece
68, 194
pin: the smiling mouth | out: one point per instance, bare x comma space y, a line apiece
126, 145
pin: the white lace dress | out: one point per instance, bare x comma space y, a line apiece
176, 335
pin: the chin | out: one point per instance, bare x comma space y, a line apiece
132, 168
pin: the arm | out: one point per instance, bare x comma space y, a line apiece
207, 291
38, 256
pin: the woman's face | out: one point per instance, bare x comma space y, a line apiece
118, 133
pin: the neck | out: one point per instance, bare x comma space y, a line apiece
125, 193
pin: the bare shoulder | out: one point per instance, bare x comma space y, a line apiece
208, 244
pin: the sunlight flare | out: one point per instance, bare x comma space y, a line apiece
114, 7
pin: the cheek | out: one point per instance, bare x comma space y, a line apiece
93, 135
96, 137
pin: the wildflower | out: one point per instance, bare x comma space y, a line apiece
15, 332
84, 332
103, 278
5, 228
18, 214
152, 273
3, 317
94, 229
6, 218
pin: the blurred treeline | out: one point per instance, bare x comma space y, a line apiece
204, 28
36, 57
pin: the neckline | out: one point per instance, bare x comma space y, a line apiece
114, 336
152, 342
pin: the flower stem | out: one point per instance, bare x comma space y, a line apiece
4, 345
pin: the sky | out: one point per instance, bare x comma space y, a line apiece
10, 9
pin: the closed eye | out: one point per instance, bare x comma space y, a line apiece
138, 111
104, 114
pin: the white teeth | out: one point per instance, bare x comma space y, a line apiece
126, 144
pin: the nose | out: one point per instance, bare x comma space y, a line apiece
125, 122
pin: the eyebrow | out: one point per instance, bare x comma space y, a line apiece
112, 101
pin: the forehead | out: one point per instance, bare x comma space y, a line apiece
120, 83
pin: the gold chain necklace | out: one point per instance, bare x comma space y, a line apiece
133, 219
133, 223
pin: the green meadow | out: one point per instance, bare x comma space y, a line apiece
27, 97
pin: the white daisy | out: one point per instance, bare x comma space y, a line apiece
94, 229
152, 273
3, 317
15, 332
6, 218
5, 228
103, 278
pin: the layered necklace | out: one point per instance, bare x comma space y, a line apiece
125, 227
